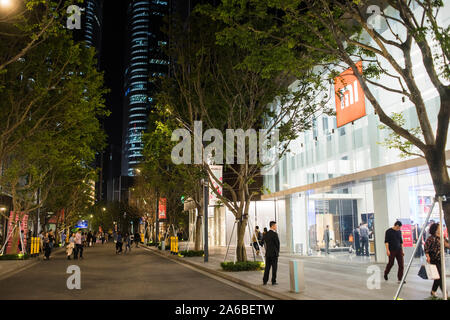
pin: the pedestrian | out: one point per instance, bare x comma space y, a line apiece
47, 248
119, 243
272, 246
257, 236
127, 243
70, 246
103, 237
63, 238
394, 250
433, 253
326, 239
94, 238
41, 241
364, 239
52, 240
137, 239
356, 240
89, 239
78, 245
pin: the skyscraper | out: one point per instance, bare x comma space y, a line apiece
93, 16
145, 63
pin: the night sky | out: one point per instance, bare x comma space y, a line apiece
113, 64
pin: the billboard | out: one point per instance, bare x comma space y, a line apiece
162, 208
349, 97
82, 224
13, 220
217, 172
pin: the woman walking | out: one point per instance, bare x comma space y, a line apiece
433, 254
47, 248
70, 246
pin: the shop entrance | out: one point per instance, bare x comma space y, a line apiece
337, 211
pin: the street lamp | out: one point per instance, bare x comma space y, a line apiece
104, 209
5, 3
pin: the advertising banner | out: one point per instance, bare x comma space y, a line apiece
349, 97
217, 172
407, 235
13, 219
162, 208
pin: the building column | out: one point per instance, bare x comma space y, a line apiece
289, 225
381, 216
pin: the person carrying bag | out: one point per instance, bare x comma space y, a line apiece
433, 254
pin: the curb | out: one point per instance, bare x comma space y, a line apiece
27, 266
270, 293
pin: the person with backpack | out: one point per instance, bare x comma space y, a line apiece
256, 238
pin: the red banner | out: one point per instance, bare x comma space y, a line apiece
162, 208
23, 226
407, 235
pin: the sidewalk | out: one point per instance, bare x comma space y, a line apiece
9, 268
327, 277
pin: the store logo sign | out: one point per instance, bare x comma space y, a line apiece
349, 97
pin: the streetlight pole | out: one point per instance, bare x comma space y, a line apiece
205, 215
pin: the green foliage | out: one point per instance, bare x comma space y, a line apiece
25, 256
192, 253
395, 141
242, 266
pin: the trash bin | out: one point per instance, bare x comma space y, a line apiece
299, 248
297, 276
163, 245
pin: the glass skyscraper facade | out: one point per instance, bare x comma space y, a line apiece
145, 64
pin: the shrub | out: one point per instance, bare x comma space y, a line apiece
242, 266
15, 256
192, 253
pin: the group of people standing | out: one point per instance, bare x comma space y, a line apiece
127, 239
361, 235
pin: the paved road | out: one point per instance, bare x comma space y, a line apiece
105, 275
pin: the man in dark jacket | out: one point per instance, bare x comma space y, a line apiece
272, 244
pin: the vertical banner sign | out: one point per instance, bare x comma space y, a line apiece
407, 235
162, 208
23, 225
349, 97
217, 172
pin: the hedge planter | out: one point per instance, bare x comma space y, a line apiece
15, 256
192, 253
242, 266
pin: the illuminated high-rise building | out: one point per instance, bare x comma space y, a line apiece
145, 63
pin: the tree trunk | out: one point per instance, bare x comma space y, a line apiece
198, 233
241, 253
439, 175
15, 236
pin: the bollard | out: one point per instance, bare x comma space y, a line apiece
176, 245
297, 276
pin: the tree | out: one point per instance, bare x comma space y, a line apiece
158, 171
336, 35
51, 104
27, 24
212, 84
